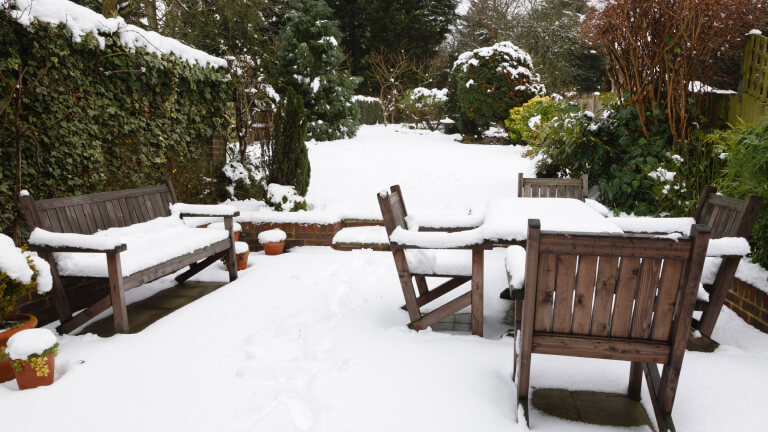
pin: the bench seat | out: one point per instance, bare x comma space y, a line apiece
148, 243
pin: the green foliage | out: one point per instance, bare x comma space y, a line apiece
612, 149
11, 289
746, 172
287, 157
415, 26
370, 110
37, 361
487, 83
310, 62
536, 112
91, 120
424, 107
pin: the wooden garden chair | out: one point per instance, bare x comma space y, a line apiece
552, 187
618, 297
726, 217
419, 255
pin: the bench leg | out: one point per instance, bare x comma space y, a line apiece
635, 380
116, 292
477, 291
232, 256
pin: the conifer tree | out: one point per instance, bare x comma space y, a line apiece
287, 157
310, 62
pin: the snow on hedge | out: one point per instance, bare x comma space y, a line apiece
81, 21
516, 62
30, 342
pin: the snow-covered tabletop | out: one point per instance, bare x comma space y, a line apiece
506, 219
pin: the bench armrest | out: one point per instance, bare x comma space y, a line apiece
470, 239
41, 240
204, 210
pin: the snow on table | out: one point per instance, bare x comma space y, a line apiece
507, 219
649, 224
148, 243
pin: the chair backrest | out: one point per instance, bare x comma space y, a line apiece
393, 209
86, 214
552, 187
597, 286
726, 216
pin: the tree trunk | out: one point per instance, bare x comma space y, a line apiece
109, 8
150, 10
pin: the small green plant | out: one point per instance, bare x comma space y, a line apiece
424, 106
37, 361
525, 122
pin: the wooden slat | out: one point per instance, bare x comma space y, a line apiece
61, 212
121, 220
89, 219
109, 211
566, 281
148, 206
443, 311
100, 215
80, 216
604, 289
631, 246
165, 198
545, 293
134, 216
644, 299
442, 289
601, 347
140, 208
666, 299
478, 257
97, 197
582, 301
561, 191
127, 215
160, 209
163, 269
46, 222
626, 287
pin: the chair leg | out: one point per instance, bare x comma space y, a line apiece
663, 419
718, 295
635, 380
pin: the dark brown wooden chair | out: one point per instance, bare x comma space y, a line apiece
460, 262
625, 297
552, 187
726, 217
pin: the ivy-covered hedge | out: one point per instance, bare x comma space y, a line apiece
91, 119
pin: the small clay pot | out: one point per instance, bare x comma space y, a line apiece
242, 260
237, 235
273, 248
6, 371
27, 378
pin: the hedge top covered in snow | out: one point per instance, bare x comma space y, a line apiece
506, 48
81, 21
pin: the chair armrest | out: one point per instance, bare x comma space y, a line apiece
471, 239
447, 223
204, 210
41, 240
653, 225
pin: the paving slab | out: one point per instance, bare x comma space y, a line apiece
599, 408
145, 312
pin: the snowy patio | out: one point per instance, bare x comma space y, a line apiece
315, 339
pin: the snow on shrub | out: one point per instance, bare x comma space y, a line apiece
490, 81
424, 106
526, 122
285, 198
20, 272
272, 236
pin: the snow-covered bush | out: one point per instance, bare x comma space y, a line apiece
525, 122
285, 198
490, 81
245, 179
21, 272
33, 346
286, 156
370, 109
424, 106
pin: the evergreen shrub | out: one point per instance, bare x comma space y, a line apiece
92, 120
488, 82
287, 156
525, 122
369, 108
424, 106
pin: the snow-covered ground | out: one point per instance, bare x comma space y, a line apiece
315, 340
437, 174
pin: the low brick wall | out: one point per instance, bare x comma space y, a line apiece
750, 303
296, 234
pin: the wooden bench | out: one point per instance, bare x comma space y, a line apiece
618, 297
87, 214
552, 187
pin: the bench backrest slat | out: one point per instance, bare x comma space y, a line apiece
86, 214
726, 216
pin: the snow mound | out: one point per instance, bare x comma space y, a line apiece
28, 342
272, 236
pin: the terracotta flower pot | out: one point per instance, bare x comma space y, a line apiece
6, 371
273, 248
242, 260
29, 378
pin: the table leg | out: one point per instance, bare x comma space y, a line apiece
477, 291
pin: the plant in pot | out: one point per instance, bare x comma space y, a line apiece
21, 272
241, 255
32, 353
273, 241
